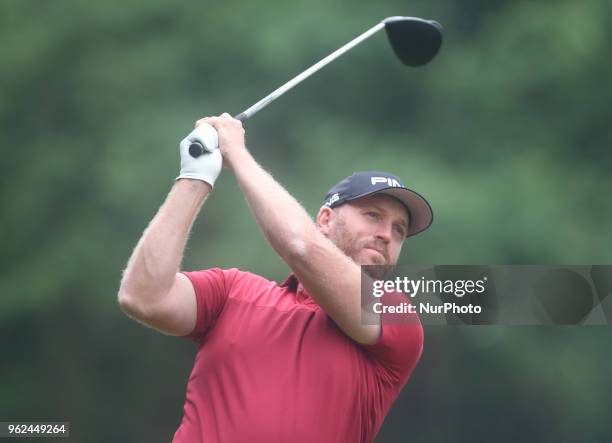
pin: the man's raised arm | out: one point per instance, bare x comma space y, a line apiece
152, 290
331, 277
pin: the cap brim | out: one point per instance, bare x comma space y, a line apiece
421, 214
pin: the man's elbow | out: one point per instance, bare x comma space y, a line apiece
297, 249
132, 306
306, 247
366, 334
126, 303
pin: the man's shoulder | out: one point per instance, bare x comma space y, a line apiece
247, 276
239, 285
226, 272
239, 279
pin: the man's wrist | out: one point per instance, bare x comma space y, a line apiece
235, 156
193, 185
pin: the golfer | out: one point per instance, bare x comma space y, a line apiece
290, 362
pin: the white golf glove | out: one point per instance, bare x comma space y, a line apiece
207, 166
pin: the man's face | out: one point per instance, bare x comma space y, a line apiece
370, 230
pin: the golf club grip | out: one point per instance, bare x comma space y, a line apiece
196, 149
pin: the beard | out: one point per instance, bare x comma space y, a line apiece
352, 246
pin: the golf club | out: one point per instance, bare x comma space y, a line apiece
414, 40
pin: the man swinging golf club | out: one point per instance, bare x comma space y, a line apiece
280, 363
293, 362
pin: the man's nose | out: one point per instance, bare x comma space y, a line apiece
384, 232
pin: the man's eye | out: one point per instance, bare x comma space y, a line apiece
400, 230
372, 215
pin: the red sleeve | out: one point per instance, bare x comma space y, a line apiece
400, 344
212, 287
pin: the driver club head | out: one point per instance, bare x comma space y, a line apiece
414, 40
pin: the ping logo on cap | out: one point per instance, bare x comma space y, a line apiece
390, 181
334, 198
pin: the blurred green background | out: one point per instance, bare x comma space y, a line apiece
506, 133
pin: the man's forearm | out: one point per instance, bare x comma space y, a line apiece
284, 222
157, 257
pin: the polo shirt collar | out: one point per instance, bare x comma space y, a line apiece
293, 284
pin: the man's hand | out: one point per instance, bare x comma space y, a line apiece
207, 166
231, 136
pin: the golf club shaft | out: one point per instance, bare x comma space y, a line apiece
196, 148
307, 73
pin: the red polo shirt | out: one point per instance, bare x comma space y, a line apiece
273, 367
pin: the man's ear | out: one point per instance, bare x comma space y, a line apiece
325, 219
